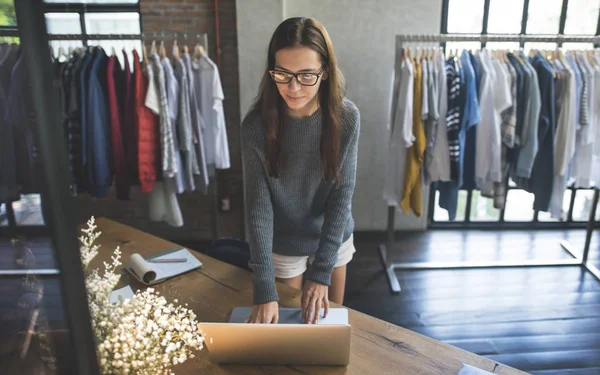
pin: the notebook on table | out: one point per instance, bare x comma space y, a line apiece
162, 266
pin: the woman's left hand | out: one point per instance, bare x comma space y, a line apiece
314, 297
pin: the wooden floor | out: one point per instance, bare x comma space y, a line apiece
545, 321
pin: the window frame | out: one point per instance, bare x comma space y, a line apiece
501, 223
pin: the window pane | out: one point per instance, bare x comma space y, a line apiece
7, 13
112, 23
544, 16
451, 47
577, 46
482, 209
440, 214
545, 216
502, 45
539, 45
582, 205
582, 17
519, 206
63, 23
28, 210
505, 16
465, 16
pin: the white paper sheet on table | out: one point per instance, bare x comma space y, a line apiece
125, 292
470, 370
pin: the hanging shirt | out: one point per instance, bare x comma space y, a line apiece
401, 137
197, 126
470, 116
112, 77
128, 124
210, 94
453, 117
98, 139
542, 173
412, 195
432, 119
189, 160
595, 177
582, 164
147, 124
529, 135
564, 147
488, 149
167, 141
439, 169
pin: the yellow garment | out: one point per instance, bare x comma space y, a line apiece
412, 195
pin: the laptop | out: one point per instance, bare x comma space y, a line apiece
290, 342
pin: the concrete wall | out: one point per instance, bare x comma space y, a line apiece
363, 34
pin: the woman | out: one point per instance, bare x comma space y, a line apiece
299, 147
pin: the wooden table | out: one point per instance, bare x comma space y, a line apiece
377, 347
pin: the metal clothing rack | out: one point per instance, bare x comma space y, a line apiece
202, 38
384, 249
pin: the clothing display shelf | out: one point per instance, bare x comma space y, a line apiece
184, 38
575, 260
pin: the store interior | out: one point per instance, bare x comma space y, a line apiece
490, 247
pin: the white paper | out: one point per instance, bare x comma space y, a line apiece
470, 370
125, 292
166, 270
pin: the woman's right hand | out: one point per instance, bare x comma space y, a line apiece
264, 313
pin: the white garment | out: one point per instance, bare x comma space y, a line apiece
595, 177
492, 101
564, 140
209, 93
440, 167
401, 136
582, 164
163, 203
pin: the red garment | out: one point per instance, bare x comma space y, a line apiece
148, 131
121, 180
128, 124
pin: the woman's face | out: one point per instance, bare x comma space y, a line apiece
301, 100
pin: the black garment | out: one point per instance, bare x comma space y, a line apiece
542, 174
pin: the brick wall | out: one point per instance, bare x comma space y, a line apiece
191, 17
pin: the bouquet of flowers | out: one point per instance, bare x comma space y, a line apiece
143, 335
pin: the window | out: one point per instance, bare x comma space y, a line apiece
88, 18
575, 17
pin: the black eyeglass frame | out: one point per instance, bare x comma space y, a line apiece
295, 75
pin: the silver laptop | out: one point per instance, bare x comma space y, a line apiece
287, 343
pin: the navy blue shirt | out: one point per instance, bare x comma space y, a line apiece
542, 174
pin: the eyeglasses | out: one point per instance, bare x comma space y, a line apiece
305, 79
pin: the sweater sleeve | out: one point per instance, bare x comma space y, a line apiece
259, 217
339, 205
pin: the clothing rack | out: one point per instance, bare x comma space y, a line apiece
385, 249
202, 38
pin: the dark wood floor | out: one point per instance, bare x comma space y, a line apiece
540, 320
545, 321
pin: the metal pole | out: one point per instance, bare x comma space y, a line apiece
52, 146
590, 226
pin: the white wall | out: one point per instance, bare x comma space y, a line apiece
363, 35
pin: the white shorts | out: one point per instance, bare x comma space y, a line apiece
287, 266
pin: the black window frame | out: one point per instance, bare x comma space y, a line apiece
501, 223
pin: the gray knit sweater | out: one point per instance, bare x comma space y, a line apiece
298, 213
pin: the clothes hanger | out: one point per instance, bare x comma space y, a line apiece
185, 45
176, 50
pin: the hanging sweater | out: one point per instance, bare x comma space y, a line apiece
297, 213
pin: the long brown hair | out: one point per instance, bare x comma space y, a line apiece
308, 32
